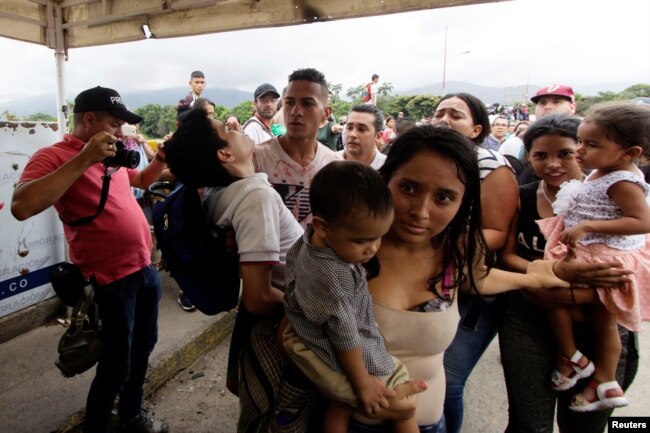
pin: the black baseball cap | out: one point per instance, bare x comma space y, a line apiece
104, 99
263, 89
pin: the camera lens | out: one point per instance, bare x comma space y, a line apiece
131, 159
123, 157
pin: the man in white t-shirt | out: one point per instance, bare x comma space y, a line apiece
258, 127
293, 159
363, 127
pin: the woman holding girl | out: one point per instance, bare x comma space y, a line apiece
551, 145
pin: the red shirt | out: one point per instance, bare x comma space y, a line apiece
117, 242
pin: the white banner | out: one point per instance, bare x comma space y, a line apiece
28, 249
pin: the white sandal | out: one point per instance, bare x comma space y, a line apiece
580, 404
65, 322
559, 382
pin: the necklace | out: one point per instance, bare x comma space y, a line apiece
544, 192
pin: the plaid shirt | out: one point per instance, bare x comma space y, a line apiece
328, 305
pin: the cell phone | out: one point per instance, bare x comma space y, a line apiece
128, 130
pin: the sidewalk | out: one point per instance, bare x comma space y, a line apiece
35, 396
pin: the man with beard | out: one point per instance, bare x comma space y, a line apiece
258, 127
361, 131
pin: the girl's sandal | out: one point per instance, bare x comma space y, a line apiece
559, 382
63, 321
580, 404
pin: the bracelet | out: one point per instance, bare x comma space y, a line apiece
160, 158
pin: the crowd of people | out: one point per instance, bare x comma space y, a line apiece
379, 257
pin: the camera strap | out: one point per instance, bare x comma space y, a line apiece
106, 183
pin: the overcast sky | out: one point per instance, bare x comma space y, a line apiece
510, 43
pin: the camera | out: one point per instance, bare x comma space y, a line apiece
123, 157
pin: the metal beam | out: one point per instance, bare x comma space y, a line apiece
23, 19
99, 22
111, 19
70, 3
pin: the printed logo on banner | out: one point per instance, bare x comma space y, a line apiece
9, 178
22, 283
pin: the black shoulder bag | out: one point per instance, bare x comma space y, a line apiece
81, 346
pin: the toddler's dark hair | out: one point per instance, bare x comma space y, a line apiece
624, 123
348, 189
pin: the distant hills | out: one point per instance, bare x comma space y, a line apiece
229, 97
46, 103
508, 95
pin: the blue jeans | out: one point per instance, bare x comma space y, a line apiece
477, 327
128, 309
357, 427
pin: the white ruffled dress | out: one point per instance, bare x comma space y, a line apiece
577, 201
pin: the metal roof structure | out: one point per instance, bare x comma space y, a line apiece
65, 24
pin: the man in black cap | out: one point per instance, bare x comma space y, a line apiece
258, 127
110, 241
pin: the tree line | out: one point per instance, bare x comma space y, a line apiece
159, 120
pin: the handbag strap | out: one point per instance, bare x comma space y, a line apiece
82, 309
106, 183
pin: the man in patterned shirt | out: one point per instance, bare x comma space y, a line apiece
293, 159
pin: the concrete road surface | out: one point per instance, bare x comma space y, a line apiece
196, 400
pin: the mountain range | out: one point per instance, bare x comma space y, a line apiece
229, 97
510, 94
46, 103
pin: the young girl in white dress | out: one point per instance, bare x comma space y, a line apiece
602, 219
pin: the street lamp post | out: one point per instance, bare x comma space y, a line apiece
444, 65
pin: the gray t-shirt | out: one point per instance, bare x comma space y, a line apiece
264, 227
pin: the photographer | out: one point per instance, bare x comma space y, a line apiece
111, 246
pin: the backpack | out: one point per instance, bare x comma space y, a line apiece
254, 120
194, 251
367, 93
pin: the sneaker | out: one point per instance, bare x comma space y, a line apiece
185, 302
143, 424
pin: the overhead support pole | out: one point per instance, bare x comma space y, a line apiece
56, 40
